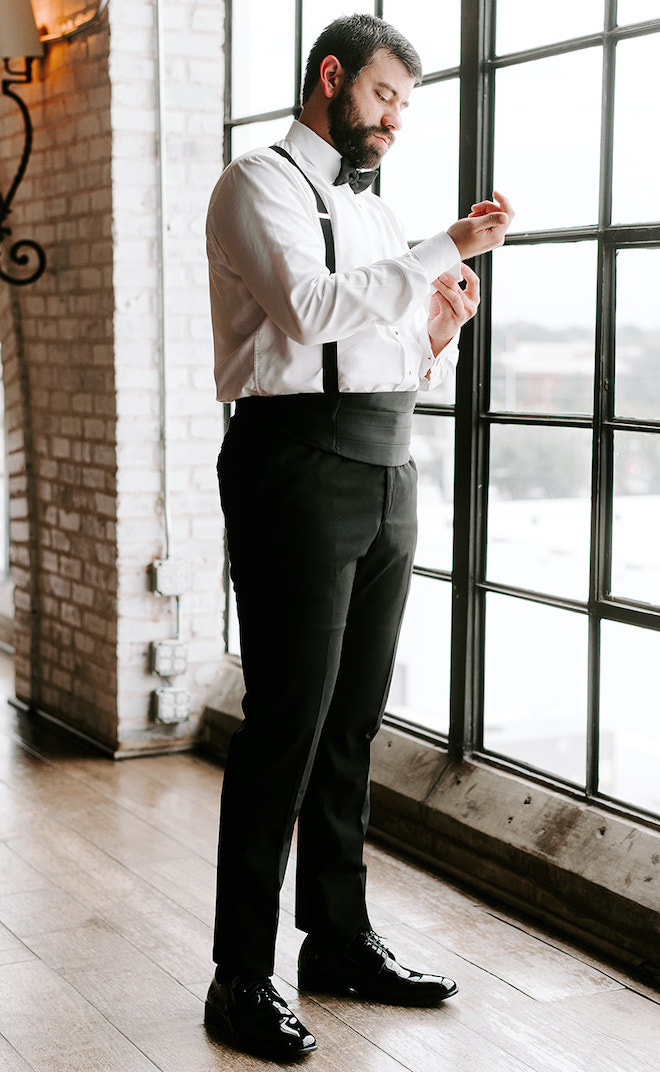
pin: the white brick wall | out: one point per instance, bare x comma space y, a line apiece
82, 357
192, 122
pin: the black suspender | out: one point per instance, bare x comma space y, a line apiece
330, 374
324, 215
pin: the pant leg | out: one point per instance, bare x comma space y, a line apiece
298, 521
330, 890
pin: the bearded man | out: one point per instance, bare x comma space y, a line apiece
325, 326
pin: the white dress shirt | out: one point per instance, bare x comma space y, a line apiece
274, 302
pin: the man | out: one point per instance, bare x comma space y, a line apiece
325, 328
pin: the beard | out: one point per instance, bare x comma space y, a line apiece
349, 134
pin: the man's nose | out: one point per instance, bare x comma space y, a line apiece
392, 118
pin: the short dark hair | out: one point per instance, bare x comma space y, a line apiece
354, 40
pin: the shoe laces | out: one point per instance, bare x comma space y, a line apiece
260, 989
375, 942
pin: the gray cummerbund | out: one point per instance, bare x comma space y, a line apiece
373, 428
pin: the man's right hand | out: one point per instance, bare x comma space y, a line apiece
484, 229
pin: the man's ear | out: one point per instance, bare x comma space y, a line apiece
331, 76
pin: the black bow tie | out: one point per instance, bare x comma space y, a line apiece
357, 180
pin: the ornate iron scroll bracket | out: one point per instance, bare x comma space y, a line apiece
22, 253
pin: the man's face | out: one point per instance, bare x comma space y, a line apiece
364, 114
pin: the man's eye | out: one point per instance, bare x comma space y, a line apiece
381, 97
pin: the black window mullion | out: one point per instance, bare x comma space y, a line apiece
611, 14
467, 603
299, 58
601, 505
602, 443
229, 51
482, 387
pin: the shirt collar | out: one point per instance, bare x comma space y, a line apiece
323, 156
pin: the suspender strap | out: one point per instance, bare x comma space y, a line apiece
330, 374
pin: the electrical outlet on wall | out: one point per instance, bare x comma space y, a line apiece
170, 705
169, 576
168, 657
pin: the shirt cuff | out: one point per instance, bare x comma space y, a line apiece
437, 255
435, 370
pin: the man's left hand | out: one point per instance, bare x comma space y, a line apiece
451, 307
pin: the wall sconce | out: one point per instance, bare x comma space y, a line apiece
19, 38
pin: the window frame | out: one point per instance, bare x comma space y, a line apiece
473, 417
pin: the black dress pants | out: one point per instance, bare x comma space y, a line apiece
321, 550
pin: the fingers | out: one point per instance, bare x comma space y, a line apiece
493, 219
451, 307
496, 201
464, 303
446, 282
472, 288
499, 203
475, 235
504, 204
482, 207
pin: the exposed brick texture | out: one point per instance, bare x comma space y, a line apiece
83, 357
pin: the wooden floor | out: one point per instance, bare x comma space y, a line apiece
106, 902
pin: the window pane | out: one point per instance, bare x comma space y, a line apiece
636, 11
520, 26
259, 84
433, 29
427, 202
547, 139
420, 686
637, 385
635, 561
433, 451
636, 153
536, 686
629, 724
254, 135
543, 330
539, 509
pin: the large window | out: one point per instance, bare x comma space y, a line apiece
534, 618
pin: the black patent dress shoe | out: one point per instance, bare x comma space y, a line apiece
365, 968
251, 1015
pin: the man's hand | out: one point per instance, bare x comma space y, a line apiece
451, 307
484, 229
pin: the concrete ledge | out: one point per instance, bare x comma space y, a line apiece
223, 712
572, 865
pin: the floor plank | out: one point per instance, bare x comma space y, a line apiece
107, 874
10, 1060
52, 1027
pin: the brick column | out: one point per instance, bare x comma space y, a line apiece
82, 362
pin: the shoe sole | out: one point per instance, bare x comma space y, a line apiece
216, 1023
337, 988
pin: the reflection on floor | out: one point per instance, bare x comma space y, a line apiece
106, 902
